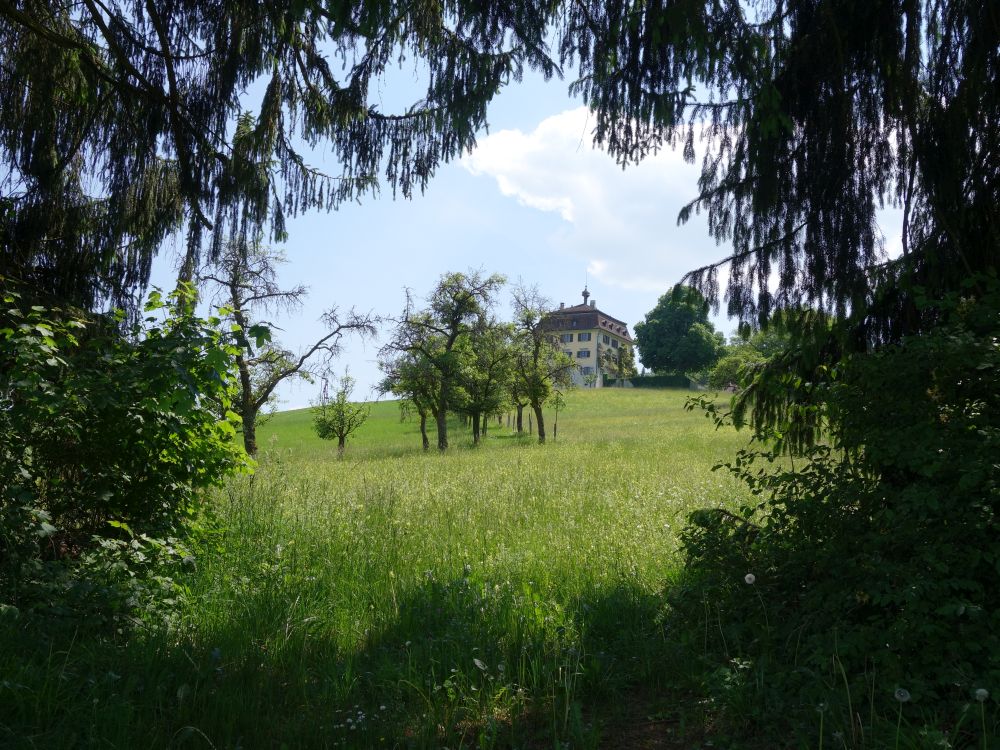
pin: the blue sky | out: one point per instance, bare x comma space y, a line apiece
534, 201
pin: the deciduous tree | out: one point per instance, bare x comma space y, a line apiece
339, 417
411, 376
676, 335
539, 363
438, 334
487, 369
245, 280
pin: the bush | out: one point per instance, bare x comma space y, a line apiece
661, 381
105, 435
874, 563
731, 369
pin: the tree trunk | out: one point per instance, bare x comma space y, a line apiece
341, 444
520, 419
541, 422
249, 430
247, 409
423, 431
441, 418
475, 428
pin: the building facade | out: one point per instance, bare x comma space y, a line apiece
589, 336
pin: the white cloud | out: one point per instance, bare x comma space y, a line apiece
620, 224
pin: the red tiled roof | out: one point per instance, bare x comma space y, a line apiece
587, 317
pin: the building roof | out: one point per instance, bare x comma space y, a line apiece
584, 317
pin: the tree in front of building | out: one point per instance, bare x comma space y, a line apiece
618, 362
539, 365
486, 373
676, 335
438, 336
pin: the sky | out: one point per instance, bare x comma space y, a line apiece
534, 201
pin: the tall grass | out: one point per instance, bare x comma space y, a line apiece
500, 596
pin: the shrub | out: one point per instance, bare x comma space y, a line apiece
731, 369
107, 432
661, 381
874, 562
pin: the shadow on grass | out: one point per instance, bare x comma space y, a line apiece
459, 663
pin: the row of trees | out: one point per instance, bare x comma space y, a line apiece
454, 355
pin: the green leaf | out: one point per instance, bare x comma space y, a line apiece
261, 334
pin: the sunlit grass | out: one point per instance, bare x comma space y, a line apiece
491, 596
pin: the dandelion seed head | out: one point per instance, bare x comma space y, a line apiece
982, 694
902, 695
750, 578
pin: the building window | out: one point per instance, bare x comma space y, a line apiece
566, 338
614, 343
567, 352
583, 354
583, 337
606, 339
587, 370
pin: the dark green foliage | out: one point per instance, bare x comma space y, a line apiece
747, 351
733, 366
411, 377
125, 121
105, 438
661, 381
876, 559
875, 551
677, 336
814, 114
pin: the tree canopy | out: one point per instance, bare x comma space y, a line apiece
126, 121
811, 116
676, 335
437, 339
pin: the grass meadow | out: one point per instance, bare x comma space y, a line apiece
499, 596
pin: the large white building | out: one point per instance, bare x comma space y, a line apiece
586, 334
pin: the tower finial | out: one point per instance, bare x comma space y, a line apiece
586, 295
